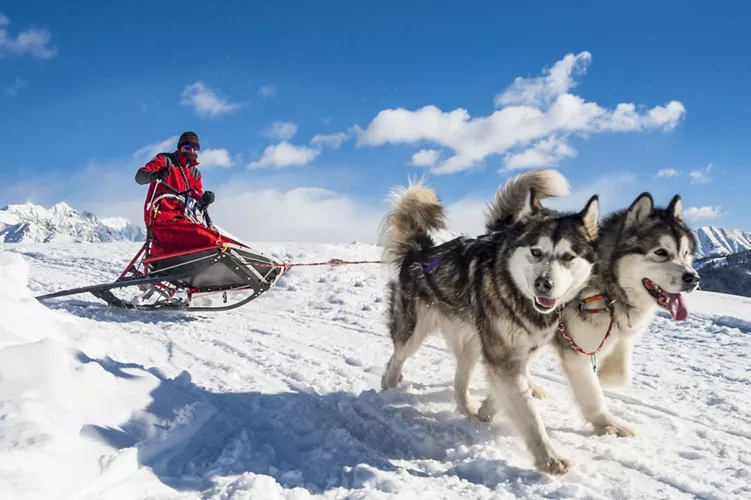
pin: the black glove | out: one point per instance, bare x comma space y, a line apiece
207, 198
160, 174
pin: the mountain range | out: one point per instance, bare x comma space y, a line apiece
30, 223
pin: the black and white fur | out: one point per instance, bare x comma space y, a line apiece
638, 246
493, 298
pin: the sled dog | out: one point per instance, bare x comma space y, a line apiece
493, 297
644, 262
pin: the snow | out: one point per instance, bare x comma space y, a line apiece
62, 224
718, 241
281, 399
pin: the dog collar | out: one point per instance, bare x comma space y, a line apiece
582, 303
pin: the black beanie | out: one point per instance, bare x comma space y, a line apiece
188, 138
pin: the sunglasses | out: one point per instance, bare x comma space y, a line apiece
192, 147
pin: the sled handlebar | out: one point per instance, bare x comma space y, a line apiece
174, 191
186, 194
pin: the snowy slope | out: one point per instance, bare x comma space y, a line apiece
717, 241
61, 223
281, 399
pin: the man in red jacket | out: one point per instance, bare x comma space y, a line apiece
171, 230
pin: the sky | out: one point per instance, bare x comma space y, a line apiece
309, 114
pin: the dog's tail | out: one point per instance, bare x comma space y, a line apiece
415, 211
520, 196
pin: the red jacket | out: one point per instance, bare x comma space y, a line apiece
182, 177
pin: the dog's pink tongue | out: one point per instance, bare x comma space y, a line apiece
546, 302
677, 307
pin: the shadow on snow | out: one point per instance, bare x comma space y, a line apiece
188, 436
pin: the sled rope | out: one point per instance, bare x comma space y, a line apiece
562, 327
332, 262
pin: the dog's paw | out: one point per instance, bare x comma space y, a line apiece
613, 428
388, 381
487, 411
554, 465
538, 392
468, 411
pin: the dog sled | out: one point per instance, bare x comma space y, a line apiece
182, 280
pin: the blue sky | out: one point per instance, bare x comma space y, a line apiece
309, 113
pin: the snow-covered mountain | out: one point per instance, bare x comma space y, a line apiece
30, 223
717, 241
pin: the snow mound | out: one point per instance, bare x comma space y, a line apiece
55, 401
74, 426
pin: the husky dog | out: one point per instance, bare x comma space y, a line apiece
644, 262
493, 297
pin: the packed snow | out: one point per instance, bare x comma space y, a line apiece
30, 223
281, 399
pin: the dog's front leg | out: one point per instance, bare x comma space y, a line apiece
588, 393
615, 370
510, 389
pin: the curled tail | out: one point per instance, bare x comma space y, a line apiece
416, 210
520, 197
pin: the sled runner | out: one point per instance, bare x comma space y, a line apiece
168, 279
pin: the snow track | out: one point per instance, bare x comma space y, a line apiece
282, 399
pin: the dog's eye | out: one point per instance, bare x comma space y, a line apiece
661, 252
536, 252
569, 257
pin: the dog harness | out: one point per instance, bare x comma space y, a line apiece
582, 309
441, 250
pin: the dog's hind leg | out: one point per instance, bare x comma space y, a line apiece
510, 389
465, 343
408, 335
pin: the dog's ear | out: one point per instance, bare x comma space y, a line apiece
639, 210
676, 207
590, 215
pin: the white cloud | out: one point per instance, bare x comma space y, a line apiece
545, 153
208, 158
34, 42
425, 157
535, 110
667, 172
149, 151
309, 214
280, 130
615, 191
544, 89
285, 154
12, 89
708, 212
333, 141
701, 176
267, 91
211, 158
205, 101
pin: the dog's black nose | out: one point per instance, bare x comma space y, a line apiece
690, 278
543, 284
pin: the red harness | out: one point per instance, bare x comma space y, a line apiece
608, 308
